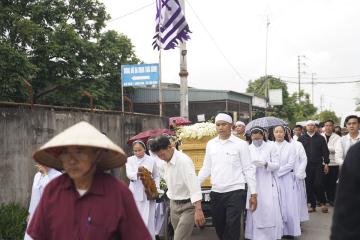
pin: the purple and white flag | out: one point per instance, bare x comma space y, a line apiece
171, 26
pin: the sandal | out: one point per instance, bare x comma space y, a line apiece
310, 210
324, 209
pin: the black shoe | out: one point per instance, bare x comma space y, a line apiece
288, 237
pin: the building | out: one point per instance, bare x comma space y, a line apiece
258, 107
203, 104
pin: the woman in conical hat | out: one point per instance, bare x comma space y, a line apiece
85, 202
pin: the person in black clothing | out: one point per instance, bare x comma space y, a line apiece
331, 178
346, 219
317, 153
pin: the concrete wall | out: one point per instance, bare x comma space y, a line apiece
23, 130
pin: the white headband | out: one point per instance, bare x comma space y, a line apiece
223, 117
257, 128
238, 123
310, 122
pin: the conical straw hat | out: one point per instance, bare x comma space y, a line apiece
85, 135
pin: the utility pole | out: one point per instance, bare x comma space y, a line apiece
299, 74
321, 102
312, 87
184, 92
160, 89
266, 58
266, 46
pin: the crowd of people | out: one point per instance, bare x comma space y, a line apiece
276, 175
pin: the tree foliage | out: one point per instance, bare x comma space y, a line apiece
59, 48
291, 110
326, 115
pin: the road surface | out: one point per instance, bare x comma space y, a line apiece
317, 228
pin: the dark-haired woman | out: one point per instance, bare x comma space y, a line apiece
265, 223
140, 159
287, 183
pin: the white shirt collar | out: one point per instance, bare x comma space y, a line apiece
311, 135
232, 138
349, 137
173, 158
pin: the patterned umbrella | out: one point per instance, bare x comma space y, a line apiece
265, 122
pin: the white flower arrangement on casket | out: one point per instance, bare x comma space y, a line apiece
197, 131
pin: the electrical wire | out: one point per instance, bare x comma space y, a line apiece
318, 83
130, 13
317, 77
215, 44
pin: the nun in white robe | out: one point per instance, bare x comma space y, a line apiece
41, 179
265, 223
146, 207
288, 187
300, 175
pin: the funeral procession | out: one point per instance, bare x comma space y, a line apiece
179, 120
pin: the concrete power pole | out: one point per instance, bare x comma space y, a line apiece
299, 76
321, 102
184, 92
312, 87
160, 89
266, 59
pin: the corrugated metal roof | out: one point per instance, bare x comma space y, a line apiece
151, 95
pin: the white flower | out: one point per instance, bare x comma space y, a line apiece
197, 130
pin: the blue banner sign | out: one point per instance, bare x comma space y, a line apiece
140, 74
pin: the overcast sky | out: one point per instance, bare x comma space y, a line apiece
231, 34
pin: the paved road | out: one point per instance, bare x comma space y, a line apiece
318, 228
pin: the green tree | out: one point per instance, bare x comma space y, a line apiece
291, 110
327, 114
14, 67
59, 47
115, 49
357, 108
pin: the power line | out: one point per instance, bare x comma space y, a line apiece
130, 13
215, 43
327, 77
342, 82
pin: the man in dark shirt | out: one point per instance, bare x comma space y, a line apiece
85, 202
346, 217
317, 153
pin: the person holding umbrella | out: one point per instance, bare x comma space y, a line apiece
266, 222
85, 202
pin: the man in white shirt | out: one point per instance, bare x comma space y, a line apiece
227, 160
330, 179
184, 189
352, 124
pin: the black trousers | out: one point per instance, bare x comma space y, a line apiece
226, 209
314, 184
330, 182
